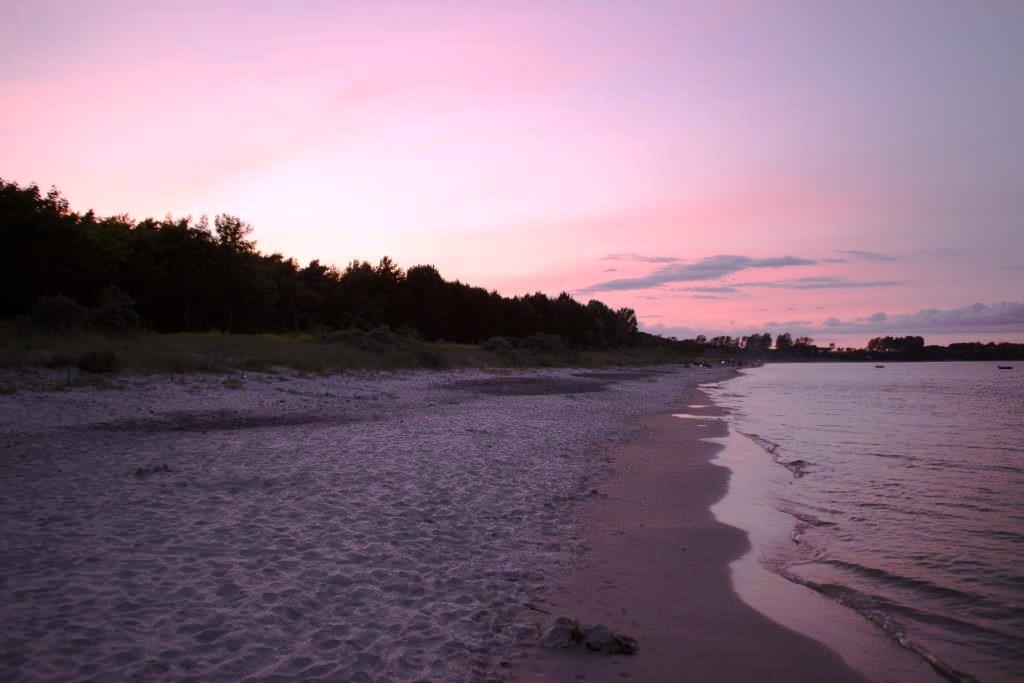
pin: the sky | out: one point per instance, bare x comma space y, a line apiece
836, 169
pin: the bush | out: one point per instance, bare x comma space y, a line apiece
352, 336
21, 325
382, 335
116, 312
375, 340
407, 332
58, 360
428, 358
57, 314
543, 342
499, 345
98, 362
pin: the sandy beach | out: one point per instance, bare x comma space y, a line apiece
398, 527
354, 527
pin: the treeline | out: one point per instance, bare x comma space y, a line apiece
756, 344
176, 275
913, 348
888, 348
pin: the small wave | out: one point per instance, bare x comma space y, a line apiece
1014, 536
809, 520
690, 416
798, 467
874, 610
893, 456
769, 446
919, 585
804, 522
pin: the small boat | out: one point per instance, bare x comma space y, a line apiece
879, 366
1005, 367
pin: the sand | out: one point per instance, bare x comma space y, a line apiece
356, 527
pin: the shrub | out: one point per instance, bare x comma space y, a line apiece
375, 340
352, 336
319, 331
116, 312
98, 362
407, 332
21, 325
428, 358
499, 345
57, 314
542, 342
382, 335
59, 360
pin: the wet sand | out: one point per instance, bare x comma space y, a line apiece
655, 565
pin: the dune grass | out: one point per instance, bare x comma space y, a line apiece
146, 352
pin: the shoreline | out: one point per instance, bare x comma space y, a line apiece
656, 566
755, 483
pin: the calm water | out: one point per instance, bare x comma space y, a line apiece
907, 498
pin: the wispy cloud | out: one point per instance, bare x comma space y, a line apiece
640, 258
823, 282
709, 289
942, 252
710, 268
810, 282
860, 255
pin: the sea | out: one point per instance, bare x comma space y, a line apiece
902, 488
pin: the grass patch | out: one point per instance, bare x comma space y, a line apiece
146, 352
98, 362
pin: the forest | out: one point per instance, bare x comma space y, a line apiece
61, 268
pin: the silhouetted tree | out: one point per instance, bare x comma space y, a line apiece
180, 275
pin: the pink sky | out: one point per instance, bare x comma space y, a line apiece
663, 156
